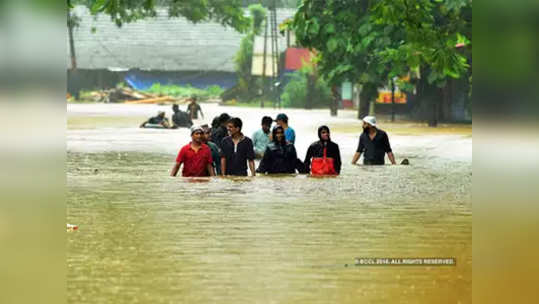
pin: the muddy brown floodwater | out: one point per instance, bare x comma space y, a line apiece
145, 237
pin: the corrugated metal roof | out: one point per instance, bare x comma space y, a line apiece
160, 43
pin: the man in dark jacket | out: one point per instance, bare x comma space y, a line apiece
280, 156
316, 149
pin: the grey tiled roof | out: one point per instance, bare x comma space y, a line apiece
159, 43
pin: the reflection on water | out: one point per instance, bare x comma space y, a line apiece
148, 238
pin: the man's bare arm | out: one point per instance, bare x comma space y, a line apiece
252, 167
223, 166
356, 158
391, 157
175, 169
211, 172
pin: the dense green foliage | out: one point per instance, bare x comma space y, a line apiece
185, 91
362, 40
431, 32
228, 13
371, 41
295, 92
249, 85
277, 3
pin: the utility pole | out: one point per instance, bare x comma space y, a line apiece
264, 63
274, 50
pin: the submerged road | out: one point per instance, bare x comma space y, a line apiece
148, 238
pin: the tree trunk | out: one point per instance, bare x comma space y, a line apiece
264, 63
73, 77
392, 100
360, 100
310, 90
368, 94
70, 26
427, 101
334, 105
435, 100
448, 99
333, 108
444, 109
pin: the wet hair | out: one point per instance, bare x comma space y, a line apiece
175, 107
282, 117
223, 118
236, 122
215, 122
266, 120
274, 132
320, 129
206, 129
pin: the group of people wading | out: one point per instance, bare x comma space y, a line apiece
223, 149
180, 119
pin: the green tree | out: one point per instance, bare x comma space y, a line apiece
372, 41
296, 95
248, 85
228, 13
347, 42
437, 42
277, 3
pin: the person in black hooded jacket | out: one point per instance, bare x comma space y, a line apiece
280, 156
316, 149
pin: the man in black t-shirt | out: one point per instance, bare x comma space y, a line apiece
236, 151
374, 143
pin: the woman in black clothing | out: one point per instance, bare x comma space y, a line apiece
280, 155
316, 150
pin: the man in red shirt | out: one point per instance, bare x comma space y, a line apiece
195, 157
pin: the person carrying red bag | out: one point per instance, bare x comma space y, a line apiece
323, 156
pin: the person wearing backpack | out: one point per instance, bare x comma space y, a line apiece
323, 156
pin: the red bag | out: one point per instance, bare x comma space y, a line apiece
323, 165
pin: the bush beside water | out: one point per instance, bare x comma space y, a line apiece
185, 91
295, 92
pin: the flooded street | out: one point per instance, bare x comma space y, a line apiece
145, 237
